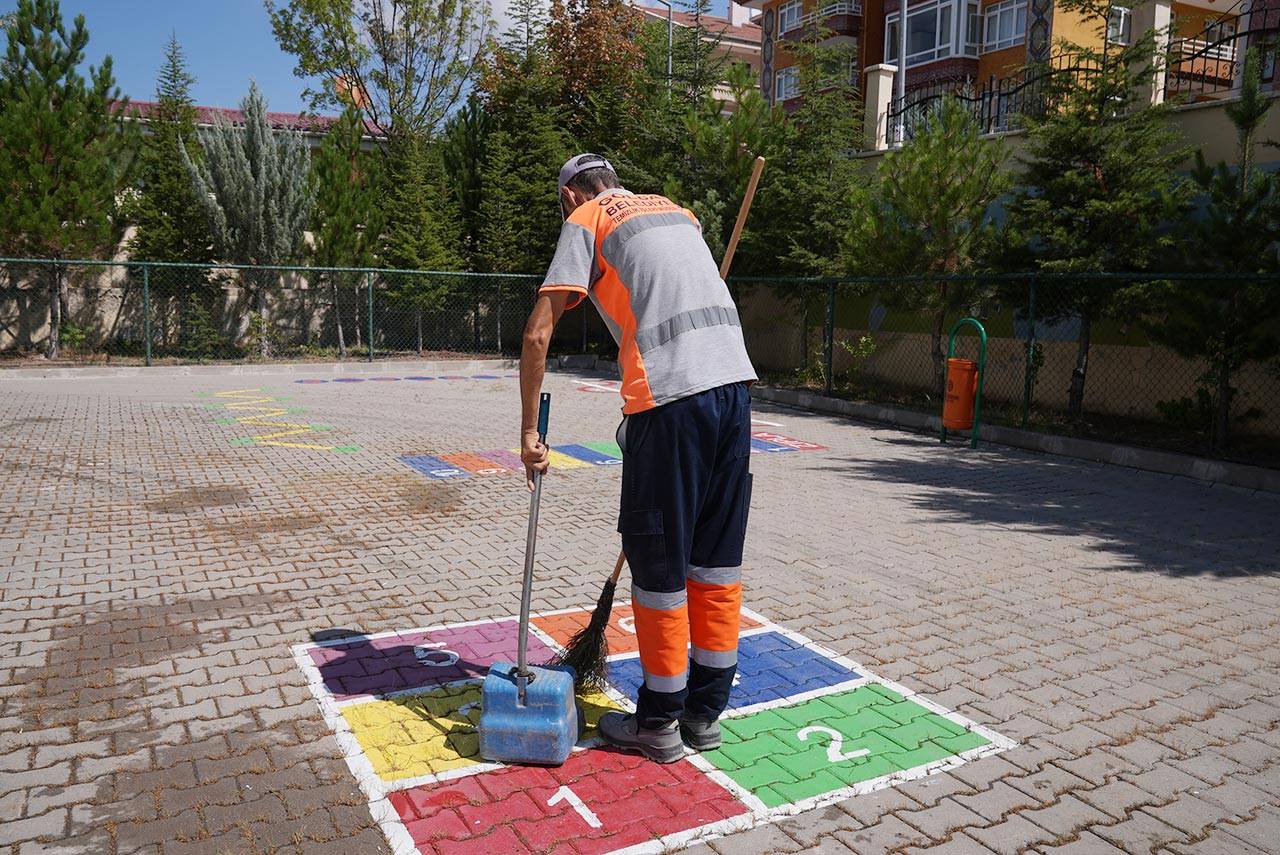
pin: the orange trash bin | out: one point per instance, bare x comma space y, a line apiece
962, 389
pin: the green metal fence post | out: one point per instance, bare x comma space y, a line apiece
982, 373
1031, 355
368, 281
146, 312
828, 340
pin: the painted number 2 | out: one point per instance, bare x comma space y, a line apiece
834, 754
564, 794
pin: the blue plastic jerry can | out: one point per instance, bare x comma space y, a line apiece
540, 729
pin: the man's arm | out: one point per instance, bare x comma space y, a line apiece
533, 365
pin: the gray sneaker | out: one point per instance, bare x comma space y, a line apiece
662, 745
700, 735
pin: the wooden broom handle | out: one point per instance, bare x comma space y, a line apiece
756, 169
617, 568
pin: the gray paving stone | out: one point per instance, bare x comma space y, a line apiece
1119, 625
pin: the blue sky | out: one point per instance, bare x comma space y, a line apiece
227, 42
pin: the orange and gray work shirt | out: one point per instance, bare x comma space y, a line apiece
644, 264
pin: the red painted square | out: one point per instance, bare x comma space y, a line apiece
612, 801
789, 442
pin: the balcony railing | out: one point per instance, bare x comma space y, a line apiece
844, 7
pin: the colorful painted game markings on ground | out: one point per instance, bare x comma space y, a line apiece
771, 667
316, 381
597, 802
621, 632
255, 408
805, 727
420, 733
791, 754
381, 664
570, 456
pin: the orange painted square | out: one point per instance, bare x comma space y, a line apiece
621, 639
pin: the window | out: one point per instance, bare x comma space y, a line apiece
1217, 30
1006, 25
1119, 24
929, 33
789, 16
786, 83
972, 31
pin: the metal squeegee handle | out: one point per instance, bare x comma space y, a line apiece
530, 543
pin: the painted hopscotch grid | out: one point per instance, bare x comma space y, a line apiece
315, 381
583, 455
806, 727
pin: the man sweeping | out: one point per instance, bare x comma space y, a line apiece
685, 439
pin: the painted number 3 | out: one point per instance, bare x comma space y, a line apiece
834, 754
564, 794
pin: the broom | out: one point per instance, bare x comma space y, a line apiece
587, 653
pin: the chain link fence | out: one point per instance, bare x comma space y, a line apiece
1152, 374
156, 313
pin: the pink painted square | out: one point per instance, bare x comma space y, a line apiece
365, 666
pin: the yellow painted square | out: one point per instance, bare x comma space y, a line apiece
425, 733
560, 460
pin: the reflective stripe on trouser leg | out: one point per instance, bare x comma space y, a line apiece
662, 632
714, 613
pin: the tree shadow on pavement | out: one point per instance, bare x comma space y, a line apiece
1170, 525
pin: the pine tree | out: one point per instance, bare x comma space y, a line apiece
255, 188
1228, 322
349, 213
927, 215
463, 150
1099, 185
421, 230
171, 225
64, 149
698, 65
520, 209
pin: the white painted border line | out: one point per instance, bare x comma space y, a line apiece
758, 814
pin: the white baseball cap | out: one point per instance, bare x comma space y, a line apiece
581, 163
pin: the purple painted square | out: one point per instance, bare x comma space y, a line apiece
410, 660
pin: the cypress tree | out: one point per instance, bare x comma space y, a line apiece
255, 188
64, 149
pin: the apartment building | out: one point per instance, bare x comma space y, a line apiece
738, 35
971, 42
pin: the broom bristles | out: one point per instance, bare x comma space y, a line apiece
588, 651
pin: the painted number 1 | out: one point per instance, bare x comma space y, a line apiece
834, 754
564, 794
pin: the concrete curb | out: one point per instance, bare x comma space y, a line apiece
1211, 471
314, 369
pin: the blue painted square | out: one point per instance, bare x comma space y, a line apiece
767, 447
588, 455
770, 666
432, 467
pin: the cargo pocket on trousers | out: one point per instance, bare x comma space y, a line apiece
644, 543
745, 510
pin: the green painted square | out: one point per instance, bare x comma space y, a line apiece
609, 448
763, 753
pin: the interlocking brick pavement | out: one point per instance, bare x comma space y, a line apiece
158, 568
